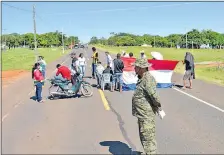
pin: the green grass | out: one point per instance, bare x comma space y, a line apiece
23, 59
200, 55
208, 74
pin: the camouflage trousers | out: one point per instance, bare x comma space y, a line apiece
147, 135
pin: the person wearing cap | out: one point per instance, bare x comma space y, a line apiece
145, 105
43, 65
142, 54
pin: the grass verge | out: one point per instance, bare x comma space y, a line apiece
210, 74
23, 59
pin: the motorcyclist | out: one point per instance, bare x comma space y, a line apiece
63, 74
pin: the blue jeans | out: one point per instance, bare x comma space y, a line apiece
93, 70
59, 77
98, 77
118, 78
38, 91
82, 69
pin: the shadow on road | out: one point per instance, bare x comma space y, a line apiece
117, 147
64, 97
33, 98
94, 85
179, 86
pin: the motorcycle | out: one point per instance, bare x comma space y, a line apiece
62, 89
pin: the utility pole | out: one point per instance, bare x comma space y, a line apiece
35, 39
154, 41
24, 44
192, 45
186, 38
63, 41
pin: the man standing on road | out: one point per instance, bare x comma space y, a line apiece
94, 62
118, 72
145, 105
189, 69
109, 60
142, 54
99, 73
73, 56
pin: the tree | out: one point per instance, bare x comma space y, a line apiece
194, 37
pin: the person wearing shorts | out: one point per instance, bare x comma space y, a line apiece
118, 72
189, 69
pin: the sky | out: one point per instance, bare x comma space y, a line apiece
87, 19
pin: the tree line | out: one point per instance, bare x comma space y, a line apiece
193, 38
43, 40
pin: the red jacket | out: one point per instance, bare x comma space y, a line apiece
38, 75
65, 72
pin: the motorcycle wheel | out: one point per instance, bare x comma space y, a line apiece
86, 90
52, 89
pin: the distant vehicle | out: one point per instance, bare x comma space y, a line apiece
76, 46
82, 46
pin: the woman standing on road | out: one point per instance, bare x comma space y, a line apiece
38, 81
82, 63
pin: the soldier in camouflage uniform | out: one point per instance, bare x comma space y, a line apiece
145, 105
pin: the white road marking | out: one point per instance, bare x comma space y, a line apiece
4, 117
20, 102
15, 106
209, 104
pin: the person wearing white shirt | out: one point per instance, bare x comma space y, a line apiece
109, 59
82, 63
143, 54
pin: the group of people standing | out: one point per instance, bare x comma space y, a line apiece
131, 55
78, 65
113, 67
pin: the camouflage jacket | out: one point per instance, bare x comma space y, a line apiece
145, 101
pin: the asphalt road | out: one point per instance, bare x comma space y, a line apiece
95, 126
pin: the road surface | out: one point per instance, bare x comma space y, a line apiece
103, 124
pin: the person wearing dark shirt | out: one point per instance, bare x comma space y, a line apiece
189, 69
108, 70
118, 71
